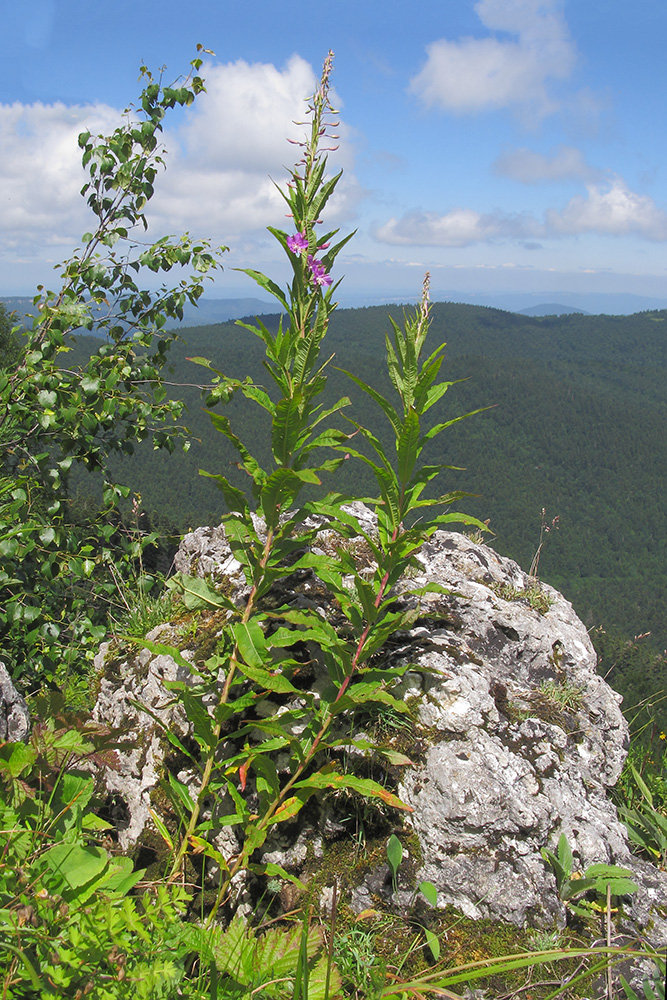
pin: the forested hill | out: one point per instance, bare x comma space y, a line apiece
577, 426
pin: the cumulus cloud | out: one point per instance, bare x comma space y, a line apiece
247, 112
220, 161
610, 209
607, 209
234, 146
528, 167
41, 174
480, 74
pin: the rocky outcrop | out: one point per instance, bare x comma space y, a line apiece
126, 683
525, 741
516, 738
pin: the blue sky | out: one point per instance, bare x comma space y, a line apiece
505, 145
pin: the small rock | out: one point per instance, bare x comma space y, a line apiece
14, 714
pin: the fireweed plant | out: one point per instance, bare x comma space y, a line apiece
272, 536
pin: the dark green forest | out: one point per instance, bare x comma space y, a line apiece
575, 424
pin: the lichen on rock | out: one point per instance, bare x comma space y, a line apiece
515, 737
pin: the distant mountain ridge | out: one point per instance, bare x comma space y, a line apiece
221, 310
205, 312
552, 309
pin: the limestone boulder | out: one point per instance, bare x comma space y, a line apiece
517, 739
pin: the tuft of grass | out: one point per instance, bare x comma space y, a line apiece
140, 617
537, 599
541, 940
563, 693
362, 971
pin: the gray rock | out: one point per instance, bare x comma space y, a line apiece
525, 740
138, 678
517, 740
206, 552
14, 714
132, 696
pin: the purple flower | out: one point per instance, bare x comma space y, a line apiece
297, 243
317, 271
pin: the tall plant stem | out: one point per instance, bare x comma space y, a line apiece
243, 858
217, 730
364, 635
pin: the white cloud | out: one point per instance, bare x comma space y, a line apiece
458, 228
528, 167
607, 209
41, 174
220, 162
479, 74
247, 113
235, 145
611, 210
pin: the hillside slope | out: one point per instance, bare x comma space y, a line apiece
577, 426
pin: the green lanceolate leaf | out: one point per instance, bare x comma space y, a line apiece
251, 643
197, 713
197, 593
271, 869
268, 680
641, 785
250, 464
171, 736
393, 366
386, 406
433, 943
266, 283
408, 446
260, 396
161, 649
310, 627
291, 806
366, 787
280, 490
429, 892
234, 498
287, 427
27, 964
266, 776
565, 856
439, 428
394, 853
181, 794
252, 648
576, 887
161, 828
